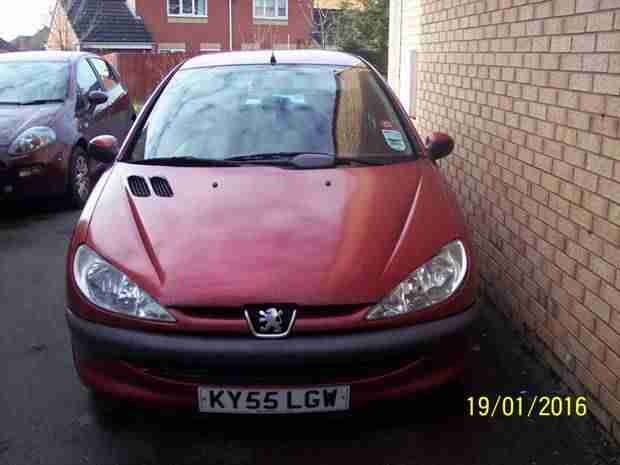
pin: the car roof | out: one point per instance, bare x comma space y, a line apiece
43, 56
260, 57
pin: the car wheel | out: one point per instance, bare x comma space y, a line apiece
79, 178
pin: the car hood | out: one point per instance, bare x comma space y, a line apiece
15, 119
235, 236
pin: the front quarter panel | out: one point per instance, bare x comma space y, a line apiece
434, 221
79, 237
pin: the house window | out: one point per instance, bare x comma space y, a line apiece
271, 9
187, 7
172, 48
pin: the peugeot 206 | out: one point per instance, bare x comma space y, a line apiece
272, 237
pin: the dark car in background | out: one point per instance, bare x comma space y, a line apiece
51, 104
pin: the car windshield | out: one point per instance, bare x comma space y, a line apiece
235, 111
24, 82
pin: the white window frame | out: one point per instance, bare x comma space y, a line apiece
187, 15
271, 18
171, 50
213, 49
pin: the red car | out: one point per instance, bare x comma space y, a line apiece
51, 105
272, 237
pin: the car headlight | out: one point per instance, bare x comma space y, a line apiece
31, 140
430, 284
108, 288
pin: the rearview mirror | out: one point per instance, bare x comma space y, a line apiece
439, 145
103, 149
97, 97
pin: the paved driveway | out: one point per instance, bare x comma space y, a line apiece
46, 416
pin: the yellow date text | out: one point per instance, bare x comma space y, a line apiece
520, 406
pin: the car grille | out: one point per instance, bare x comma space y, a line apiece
138, 186
161, 187
303, 311
273, 376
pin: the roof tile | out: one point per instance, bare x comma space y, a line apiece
106, 21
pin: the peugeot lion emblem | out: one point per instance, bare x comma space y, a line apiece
270, 322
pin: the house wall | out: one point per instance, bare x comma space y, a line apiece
530, 90
61, 36
117, 51
247, 32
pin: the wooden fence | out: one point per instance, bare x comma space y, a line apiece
142, 72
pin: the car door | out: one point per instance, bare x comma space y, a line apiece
120, 110
92, 119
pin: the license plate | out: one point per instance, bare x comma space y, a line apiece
215, 399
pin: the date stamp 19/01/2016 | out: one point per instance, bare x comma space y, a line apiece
536, 406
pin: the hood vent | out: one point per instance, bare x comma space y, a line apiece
161, 187
138, 186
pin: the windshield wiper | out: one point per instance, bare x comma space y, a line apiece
294, 157
184, 161
301, 160
273, 156
362, 161
42, 101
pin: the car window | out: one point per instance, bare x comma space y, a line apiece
222, 112
104, 70
86, 78
28, 81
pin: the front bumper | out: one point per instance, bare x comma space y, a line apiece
166, 369
34, 175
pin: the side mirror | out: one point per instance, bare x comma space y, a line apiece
97, 97
439, 145
103, 149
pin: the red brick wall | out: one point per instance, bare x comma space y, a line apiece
109, 51
216, 29
297, 30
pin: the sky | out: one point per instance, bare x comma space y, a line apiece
24, 17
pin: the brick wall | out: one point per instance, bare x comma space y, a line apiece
530, 90
192, 32
62, 36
